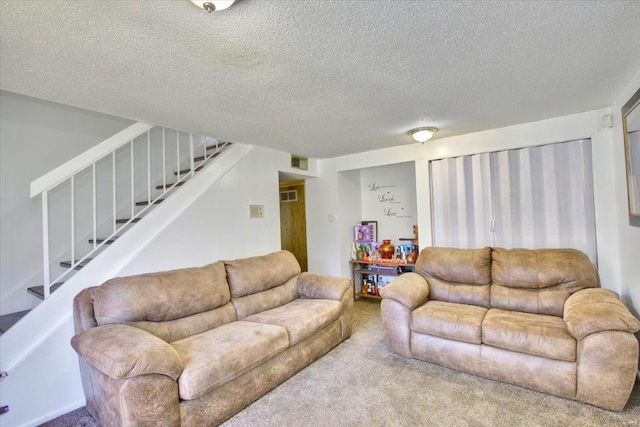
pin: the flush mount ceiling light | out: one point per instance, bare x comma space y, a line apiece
422, 134
212, 5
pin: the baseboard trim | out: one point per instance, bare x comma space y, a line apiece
54, 414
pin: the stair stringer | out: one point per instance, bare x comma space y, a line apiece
31, 331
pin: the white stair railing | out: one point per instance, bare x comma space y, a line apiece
110, 178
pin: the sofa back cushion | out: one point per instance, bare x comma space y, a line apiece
539, 280
263, 282
171, 304
457, 275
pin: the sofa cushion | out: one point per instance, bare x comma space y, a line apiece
256, 274
220, 355
457, 275
162, 296
535, 334
460, 322
174, 330
540, 280
266, 300
301, 318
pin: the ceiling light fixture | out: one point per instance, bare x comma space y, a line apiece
212, 5
422, 134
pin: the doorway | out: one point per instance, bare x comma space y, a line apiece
293, 220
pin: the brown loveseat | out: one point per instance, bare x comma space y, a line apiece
535, 318
192, 347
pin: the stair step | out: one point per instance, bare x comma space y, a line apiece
201, 158
125, 220
146, 202
221, 145
8, 320
100, 240
161, 187
186, 171
67, 264
38, 291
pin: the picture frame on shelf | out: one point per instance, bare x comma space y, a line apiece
362, 233
374, 229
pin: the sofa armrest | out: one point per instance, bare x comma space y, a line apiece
597, 310
317, 286
410, 290
121, 351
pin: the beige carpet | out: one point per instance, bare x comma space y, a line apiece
360, 383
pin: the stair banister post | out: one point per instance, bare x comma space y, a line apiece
95, 207
149, 165
73, 217
45, 242
164, 161
113, 194
191, 154
178, 152
133, 187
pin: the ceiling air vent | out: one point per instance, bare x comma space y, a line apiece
299, 162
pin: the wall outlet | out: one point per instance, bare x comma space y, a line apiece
256, 211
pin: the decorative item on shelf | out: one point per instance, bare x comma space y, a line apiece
374, 229
361, 251
387, 249
363, 233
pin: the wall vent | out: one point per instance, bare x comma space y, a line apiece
299, 162
289, 196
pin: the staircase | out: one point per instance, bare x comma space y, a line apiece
91, 201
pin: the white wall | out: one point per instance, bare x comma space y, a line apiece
324, 219
217, 225
628, 236
585, 125
350, 213
35, 137
389, 197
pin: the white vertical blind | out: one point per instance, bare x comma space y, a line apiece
461, 201
537, 197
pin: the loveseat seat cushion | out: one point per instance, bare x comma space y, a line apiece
536, 334
301, 317
539, 280
460, 322
457, 275
217, 356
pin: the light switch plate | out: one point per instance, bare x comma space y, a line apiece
256, 211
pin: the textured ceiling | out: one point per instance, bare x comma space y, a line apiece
322, 78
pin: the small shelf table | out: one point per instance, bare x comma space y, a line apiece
360, 269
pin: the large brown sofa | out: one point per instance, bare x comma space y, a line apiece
192, 347
535, 318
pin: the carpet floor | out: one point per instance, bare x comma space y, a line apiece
360, 383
